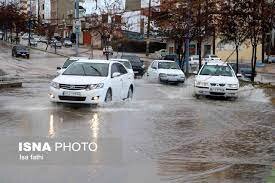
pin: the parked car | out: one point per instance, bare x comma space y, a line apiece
209, 58
137, 64
92, 82
217, 79
36, 37
43, 40
270, 59
33, 42
244, 69
67, 63
20, 50
25, 36
67, 43
161, 53
108, 50
56, 44
127, 64
194, 60
165, 71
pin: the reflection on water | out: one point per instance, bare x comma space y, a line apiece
51, 132
94, 123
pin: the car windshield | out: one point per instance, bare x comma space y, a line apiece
88, 69
131, 58
22, 48
126, 64
68, 62
170, 57
168, 65
195, 57
216, 70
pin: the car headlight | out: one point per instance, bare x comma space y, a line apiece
200, 83
182, 76
55, 85
162, 75
233, 85
95, 86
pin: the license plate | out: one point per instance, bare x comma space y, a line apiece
23, 54
172, 79
73, 94
217, 89
135, 72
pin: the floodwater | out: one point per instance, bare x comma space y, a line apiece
167, 135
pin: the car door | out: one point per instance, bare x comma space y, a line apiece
126, 80
152, 71
155, 74
116, 82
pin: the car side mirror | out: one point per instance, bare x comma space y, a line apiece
195, 72
58, 68
239, 75
115, 74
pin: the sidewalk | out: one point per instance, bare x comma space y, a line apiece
266, 74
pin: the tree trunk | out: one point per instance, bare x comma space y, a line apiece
199, 52
214, 41
253, 62
263, 46
237, 59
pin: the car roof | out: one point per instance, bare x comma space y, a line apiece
164, 60
77, 58
119, 60
94, 61
221, 63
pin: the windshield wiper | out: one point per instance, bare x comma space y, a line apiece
96, 70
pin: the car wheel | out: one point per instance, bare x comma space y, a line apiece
197, 96
130, 93
28, 56
108, 97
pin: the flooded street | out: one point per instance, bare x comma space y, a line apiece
166, 134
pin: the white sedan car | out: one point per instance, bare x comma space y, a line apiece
217, 79
209, 58
165, 71
127, 64
92, 82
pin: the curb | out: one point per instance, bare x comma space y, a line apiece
15, 84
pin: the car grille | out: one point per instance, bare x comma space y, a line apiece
69, 98
216, 84
217, 93
73, 87
174, 75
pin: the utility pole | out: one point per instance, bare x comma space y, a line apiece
30, 15
187, 40
148, 29
77, 26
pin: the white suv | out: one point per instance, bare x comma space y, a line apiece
217, 79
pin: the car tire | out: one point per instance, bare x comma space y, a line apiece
130, 93
197, 96
109, 96
28, 56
